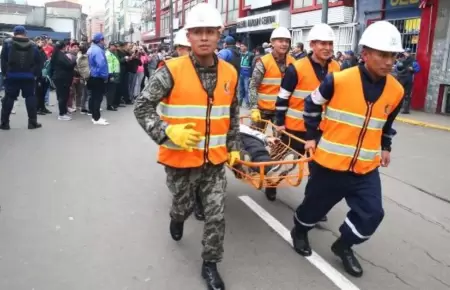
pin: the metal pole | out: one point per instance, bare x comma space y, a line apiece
113, 20
171, 24
324, 11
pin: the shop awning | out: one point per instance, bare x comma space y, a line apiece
51, 34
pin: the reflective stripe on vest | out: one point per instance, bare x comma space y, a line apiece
307, 82
352, 129
189, 103
353, 119
194, 112
270, 84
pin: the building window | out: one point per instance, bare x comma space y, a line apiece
303, 3
233, 7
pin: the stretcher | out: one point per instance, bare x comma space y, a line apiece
291, 166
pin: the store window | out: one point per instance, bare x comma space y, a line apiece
303, 3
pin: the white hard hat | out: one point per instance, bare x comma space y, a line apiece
382, 36
181, 38
321, 32
203, 15
280, 32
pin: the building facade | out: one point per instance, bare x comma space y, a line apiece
129, 21
95, 24
65, 16
437, 97
341, 17
110, 18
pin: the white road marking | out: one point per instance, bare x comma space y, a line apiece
317, 261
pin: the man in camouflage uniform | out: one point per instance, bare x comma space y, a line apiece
207, 180
280, 40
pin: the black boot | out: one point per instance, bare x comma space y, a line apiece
5, 126
40, 112
300, 242
47, 111
199, 211
271, 193
212, 276
324, 219
33, 124
176, 230
351, 263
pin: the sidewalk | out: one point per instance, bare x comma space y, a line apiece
429, 120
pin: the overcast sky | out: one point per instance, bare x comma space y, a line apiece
95, 5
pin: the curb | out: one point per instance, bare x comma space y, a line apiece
423, 124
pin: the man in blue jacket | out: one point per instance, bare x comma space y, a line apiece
99, 77
21, 65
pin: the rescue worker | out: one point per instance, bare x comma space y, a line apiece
266, 78
182, 48
300, 79
21, 65
361, 103
181, 43
197, 134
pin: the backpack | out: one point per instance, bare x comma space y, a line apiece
21, 57
83, 66
46, 69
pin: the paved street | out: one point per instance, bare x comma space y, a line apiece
86, 208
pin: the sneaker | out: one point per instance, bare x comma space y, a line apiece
64, 118
100, 121
71, 110
13, 111
84, 112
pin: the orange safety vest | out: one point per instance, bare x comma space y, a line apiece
307, 82
188, 102
270, 85
351, 139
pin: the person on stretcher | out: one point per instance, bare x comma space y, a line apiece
253, 145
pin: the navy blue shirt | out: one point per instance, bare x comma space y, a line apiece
372, 91
289, 82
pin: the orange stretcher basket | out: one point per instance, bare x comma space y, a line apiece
297, 167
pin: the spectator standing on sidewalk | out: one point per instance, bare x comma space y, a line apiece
99, 77
123, 55
74, 101
84, 71
61, 72
114, 78
406, 67
42, 82
20, 61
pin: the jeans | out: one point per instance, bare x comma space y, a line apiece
244, 82
85, 96
131, 85
47, 97
137, 84
97, 86
111, 88
42, 85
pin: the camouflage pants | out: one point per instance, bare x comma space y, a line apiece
209, 182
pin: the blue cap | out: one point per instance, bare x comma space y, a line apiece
98, 37
349, 52
19, 29
230, 40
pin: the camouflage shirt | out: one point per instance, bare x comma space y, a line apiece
160, 86
257, 77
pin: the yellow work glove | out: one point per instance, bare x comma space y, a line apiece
183, 135
255, 115
233, 157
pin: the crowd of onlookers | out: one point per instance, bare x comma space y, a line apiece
81, 73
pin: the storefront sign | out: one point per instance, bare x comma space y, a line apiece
265, 21
402, 3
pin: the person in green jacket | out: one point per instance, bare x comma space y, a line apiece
114, 77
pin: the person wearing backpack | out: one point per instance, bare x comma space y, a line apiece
20, 61
231, 53
42, 83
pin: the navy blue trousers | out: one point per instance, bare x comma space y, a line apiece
327, 187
